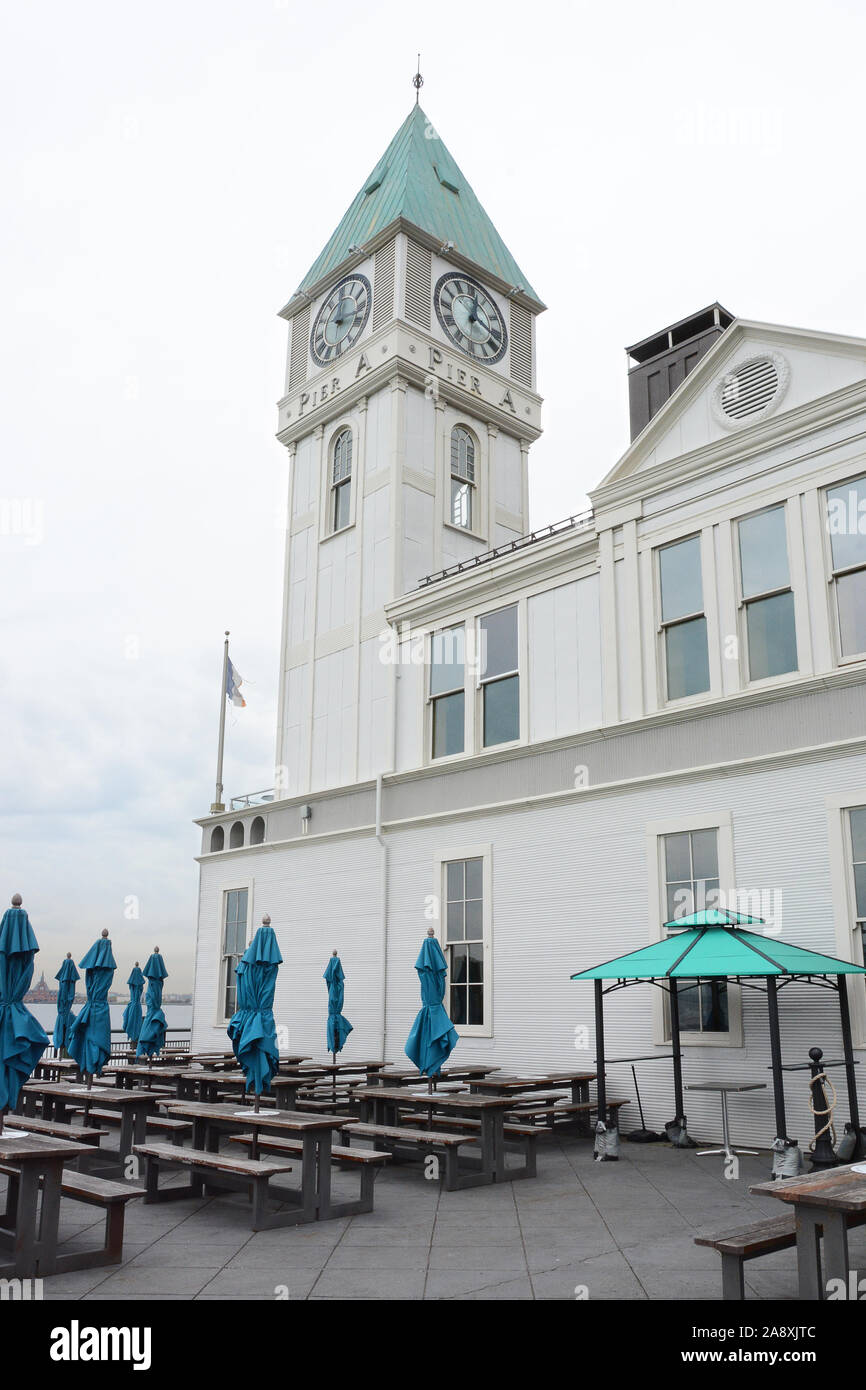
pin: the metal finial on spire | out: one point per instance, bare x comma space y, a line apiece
418, 81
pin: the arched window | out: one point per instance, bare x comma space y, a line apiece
341, 480
462, 478
257, 831
236, 835
217, 839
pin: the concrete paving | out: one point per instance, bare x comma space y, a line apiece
579, 1230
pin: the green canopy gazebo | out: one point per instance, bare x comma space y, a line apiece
714, 944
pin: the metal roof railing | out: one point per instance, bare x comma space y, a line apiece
581, 522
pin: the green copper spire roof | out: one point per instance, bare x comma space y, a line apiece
417, 180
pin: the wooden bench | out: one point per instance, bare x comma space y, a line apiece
76, 1134
750, 1242
550, 1112
397, 1137
246, 1174
112, 1197
177, 1130
370, 1161
521, 1137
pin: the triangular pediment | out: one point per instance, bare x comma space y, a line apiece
753, 373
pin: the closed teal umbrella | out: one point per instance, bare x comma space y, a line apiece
22, 1039
152, 1035
66, 977
252, 1029
90, 1034
339, 1027
131, 1021
433, 1036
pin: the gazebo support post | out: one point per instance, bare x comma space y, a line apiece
677, 1058
601, 1090
848, 1050
776, 1059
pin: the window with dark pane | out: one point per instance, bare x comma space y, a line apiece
771, 638
447, 691
234, 943
691, 879
846, 522
684, 625
464, 939
500, 681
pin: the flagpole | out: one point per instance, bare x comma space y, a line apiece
218, 800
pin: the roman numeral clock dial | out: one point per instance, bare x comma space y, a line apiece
341, 320
470, 318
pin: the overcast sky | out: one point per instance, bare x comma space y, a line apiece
169, 171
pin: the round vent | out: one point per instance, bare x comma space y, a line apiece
750, 389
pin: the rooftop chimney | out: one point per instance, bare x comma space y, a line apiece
661, 363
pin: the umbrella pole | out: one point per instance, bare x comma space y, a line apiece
334, 1077
776, 1058
848, 1049
601, 1090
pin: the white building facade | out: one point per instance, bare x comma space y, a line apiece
549, 745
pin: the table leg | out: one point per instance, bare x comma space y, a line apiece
726, 1133
127, 1135
809, 1254
49, 1217
490, 1149
24, 1244
323, 1170
836, 1261
309, 1177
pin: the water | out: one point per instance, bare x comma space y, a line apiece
176, 1015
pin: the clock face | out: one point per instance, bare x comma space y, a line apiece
341, 319
470, 318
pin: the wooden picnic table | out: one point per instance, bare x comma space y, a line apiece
822, 1200
206, 1085
60, 1099
575, 1081
33, 1159
383, 1104
55, 1068
314, 1131
400, 1076
135, 1074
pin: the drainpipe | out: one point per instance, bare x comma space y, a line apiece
383, 896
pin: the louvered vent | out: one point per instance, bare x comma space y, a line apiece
521, 345
383, 285
749, 389
300, 348
418, 284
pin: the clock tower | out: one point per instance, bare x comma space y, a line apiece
408, 413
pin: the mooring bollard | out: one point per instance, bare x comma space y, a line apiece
821, 1152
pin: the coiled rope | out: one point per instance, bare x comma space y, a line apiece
831, 1106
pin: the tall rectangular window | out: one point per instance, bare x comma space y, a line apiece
464, 938
447, 691
846, 522
462, 478
500, 681
341, 481
691, 874
684, 626
234, 943
765, 582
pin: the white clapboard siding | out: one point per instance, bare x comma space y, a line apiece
570, 889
